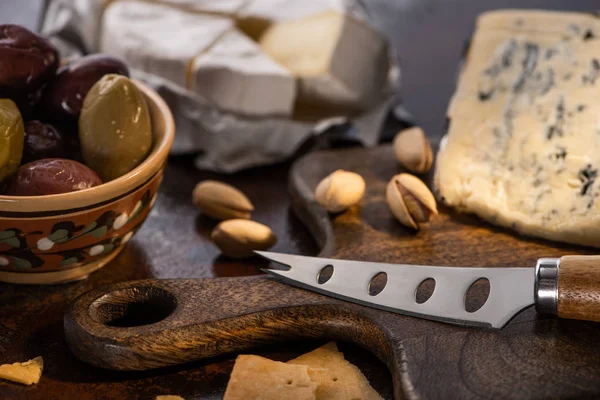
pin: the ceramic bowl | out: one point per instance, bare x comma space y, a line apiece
64, 237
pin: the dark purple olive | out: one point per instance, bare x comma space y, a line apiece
51, 176
42, 141
63, 97
27, 61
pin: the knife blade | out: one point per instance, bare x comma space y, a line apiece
511, 289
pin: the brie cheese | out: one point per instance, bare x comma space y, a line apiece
340, 61
158, 39
523, 147
89, 14
257, 15
237, 76
228, 8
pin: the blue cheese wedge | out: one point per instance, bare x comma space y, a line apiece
238, 77
523, 143
159, 39
340, 61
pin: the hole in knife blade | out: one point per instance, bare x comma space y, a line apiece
424, 290
325, 274
477, 295
377, 283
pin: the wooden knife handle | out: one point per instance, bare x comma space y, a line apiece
155, 323
579, 288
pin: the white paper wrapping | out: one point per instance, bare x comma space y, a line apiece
226, 142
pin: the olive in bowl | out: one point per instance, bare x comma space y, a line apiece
42, 141
63, 97
51, 176
63, 237
27, 62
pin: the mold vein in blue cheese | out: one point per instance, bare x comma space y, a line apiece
340, 61
159, 39
238, 76
523, 143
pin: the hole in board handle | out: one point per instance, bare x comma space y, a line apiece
135, 306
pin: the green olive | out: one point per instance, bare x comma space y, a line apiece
114, 127
12, 137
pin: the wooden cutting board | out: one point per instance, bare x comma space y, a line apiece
154, 323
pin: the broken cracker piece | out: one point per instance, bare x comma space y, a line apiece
337, 378
27, 373
255, 377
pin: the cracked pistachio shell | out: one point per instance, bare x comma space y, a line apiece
114, 127
221, 201
413, 151
340, 191
12, 138
238, 238
410, 200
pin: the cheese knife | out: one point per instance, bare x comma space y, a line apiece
568, 287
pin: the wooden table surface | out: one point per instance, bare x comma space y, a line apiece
173, 243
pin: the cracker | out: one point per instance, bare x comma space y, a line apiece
27, 373
336, 377
255, 377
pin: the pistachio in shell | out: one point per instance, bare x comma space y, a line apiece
410, 200
221, 201
12, 137
413, 151
238, 238
340, 190
114, 127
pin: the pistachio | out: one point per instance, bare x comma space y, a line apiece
237, 238
340, 190
410, 200
221, 201
413, 151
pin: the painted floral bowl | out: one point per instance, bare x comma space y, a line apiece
64, 237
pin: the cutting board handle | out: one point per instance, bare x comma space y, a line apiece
579, 288
148, 324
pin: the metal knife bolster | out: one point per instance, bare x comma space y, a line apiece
546, 285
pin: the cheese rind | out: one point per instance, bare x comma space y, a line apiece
238, 77
340, 61
523, 144
158, 39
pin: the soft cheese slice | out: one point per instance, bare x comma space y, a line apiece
159, 39
340, 60
523, 144
257, 15
237, 76
89, 14
227, 8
